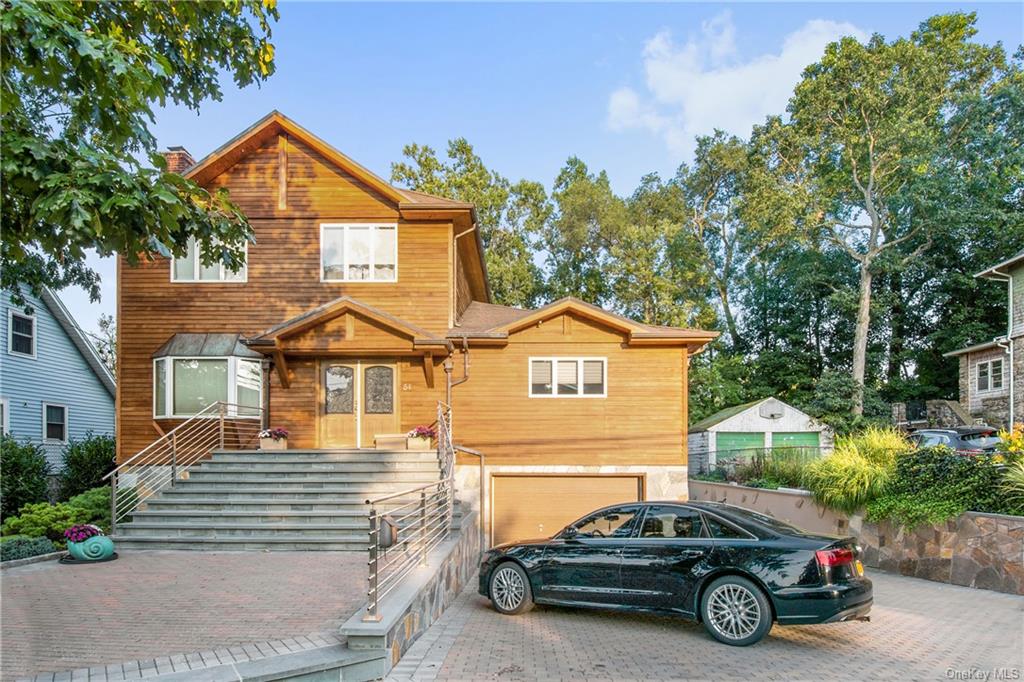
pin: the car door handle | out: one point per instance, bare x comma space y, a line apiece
692, 553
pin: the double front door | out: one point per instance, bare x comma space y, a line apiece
357, 400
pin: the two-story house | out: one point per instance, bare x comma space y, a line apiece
53, 385
992, 373
356, 298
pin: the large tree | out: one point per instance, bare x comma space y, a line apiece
80, 167
509, 214
867, 125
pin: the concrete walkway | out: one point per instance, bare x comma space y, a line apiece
183, 610
920, 630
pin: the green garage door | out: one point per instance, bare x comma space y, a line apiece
795, 439
733, 444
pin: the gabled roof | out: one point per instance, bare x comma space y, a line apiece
999, 271
339, 306
489, 321
79, 339
720, 416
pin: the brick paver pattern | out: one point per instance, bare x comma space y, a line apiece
919, 630
153, 604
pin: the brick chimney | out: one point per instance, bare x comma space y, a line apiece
178, 160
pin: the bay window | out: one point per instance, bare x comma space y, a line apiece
358, 252
560, 377
185, 386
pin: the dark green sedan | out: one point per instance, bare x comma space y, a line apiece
734, 570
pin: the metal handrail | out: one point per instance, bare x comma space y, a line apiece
169, 457
445, 443
416, 532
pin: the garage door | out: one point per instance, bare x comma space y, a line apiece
733, 444
795, 439
539, 506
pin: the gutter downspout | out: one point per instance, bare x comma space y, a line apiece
449, 366
1006, 343
455, 270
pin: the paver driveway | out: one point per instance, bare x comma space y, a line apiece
919, 630
153, 604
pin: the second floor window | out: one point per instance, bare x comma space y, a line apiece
359, 252
21, 334
990, 375
190, 268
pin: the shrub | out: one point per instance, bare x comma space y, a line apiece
1011, 443
44, 520
845, 480
96, 504
86, 462
935, 484
23, 548
24, 468
833, 402
878, 445
1013, 487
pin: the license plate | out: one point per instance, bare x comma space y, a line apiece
859, 568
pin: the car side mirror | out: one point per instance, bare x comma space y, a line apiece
570, 533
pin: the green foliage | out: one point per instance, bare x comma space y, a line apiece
86, 462
80, 83
24, 469
878, 445
835, 395
934, 484
1013, 487
23, 548
96, 504
45, 520
845, 480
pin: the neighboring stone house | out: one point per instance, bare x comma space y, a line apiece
992, 373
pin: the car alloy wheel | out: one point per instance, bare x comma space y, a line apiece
508, 588
733, 611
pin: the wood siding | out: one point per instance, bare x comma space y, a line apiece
283, 277
639, 422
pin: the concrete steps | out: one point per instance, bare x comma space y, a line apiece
278, 500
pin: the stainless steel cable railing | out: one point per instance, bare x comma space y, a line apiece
218, 426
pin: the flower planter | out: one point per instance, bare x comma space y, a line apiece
420, 443
97, 548
273, 444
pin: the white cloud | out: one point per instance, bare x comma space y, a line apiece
702, 84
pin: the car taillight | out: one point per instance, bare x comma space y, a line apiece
829, 558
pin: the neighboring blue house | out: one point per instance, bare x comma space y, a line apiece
53, 385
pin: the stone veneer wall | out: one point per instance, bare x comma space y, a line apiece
453, 574
976, 550
985, 551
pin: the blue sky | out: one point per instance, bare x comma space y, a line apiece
623, 86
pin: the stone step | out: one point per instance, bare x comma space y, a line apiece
222, 529
263, 504
338, 519
279, 475
280, 543
324, 456
295, 490
318, 466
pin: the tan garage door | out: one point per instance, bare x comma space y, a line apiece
539, 506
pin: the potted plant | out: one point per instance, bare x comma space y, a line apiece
420, 438
87, 542
274, 439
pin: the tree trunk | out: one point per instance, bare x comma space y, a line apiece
898, 329
860, 336
730, 321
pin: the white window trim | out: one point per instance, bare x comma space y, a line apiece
579, 360
5, 413
197, 265
11, 312
169, 385
67, 423
991, 388
344, 265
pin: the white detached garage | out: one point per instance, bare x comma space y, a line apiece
738, 431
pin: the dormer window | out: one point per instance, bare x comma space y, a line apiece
358, 252
190, 268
